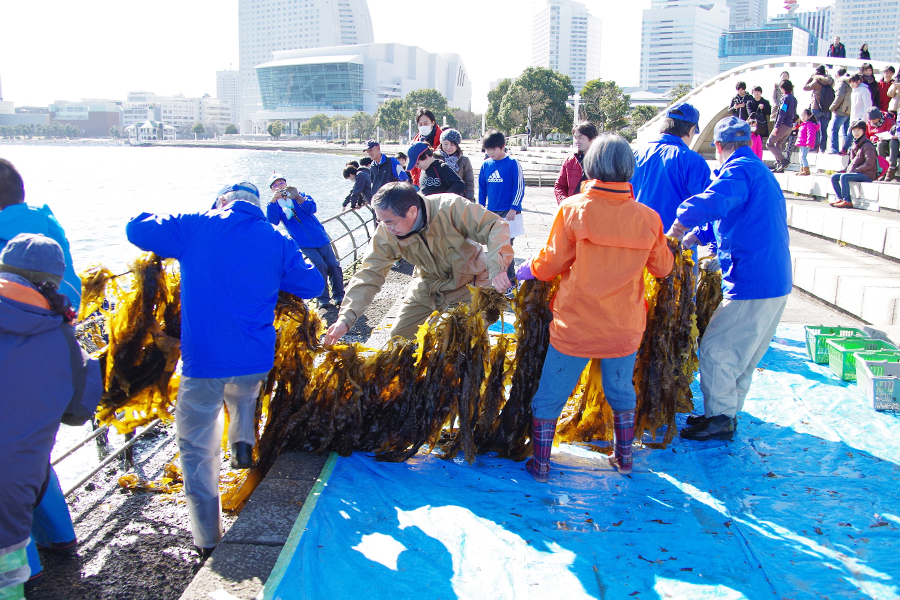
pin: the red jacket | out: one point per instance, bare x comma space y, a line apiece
569, 181
886, 124
883, 99
434, 146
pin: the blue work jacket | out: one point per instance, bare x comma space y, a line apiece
666, 174
746, 206
22, 218
233, 262
304, 227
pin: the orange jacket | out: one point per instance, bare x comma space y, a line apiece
600, 242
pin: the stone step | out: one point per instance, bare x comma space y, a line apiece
878, 233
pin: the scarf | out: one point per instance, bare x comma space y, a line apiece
452, 161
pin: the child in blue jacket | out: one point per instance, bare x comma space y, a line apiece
501, 183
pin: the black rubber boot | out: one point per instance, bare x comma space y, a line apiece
721, 427
241, 455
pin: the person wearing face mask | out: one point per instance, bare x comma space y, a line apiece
759, 106
755, 139
863, 166
568, 183
747, 207
429, 132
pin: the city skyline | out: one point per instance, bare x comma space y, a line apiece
105, 57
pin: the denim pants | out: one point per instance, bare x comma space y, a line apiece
328, 266
839, 123
823, 117
560, 376
841, 183
804, 153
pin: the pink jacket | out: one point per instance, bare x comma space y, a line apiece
806, 136
756, 144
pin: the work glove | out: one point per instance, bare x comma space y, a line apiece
523, 273
689, 241
677, 230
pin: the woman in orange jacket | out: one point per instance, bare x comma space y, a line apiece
600, 242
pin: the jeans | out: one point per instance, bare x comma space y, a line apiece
560, 376
774, 143
841, 183
327, 263
837, 124
889, 148
823, 117
804, 153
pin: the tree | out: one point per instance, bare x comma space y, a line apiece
275, 128
545, 90
363, 124
679, 91
391, 117
495, 98
642, 113
467, 122
230, 129
198, 130
211, 130
431, 99
183, 131
513, 116
605, 105
319, 122
338, 123
114, 131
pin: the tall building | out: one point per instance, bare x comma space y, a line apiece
92, 116
267, 26
177, 110
566, 38
780, 37
680, 42
818, 22
872, 22
342, 80
228, 87
747, 14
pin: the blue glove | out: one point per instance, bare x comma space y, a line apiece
524, 273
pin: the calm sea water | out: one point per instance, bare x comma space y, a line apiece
95, 191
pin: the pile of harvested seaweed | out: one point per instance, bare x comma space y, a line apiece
455, 388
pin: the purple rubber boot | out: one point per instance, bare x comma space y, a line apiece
623, 423
542, 442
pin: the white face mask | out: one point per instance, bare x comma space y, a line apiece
425, 129
753, 128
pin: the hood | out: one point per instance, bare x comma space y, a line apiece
20, 217
18, 318
824, 79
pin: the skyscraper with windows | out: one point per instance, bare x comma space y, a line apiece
680, 42
566, 38
747, 14
265, 26
818, 22
228, 87
872, 22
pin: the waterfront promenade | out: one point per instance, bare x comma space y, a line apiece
251, 548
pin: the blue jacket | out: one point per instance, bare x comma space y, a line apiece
501, 185
304, 227
21, 218
233, 262
746, 206
666, 174
36, 368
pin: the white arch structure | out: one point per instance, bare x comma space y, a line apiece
713, 97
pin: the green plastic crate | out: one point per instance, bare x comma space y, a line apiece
817, 335
840, 354
880, 382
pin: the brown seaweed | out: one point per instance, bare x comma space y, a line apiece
709, 296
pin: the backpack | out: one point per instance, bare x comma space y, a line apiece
883, 165
826, 97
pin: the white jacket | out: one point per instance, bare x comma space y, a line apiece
860, 103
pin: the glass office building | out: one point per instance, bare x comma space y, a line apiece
737, 48
321, 84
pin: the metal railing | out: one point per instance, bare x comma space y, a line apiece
359, 227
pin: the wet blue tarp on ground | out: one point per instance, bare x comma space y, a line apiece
804, 503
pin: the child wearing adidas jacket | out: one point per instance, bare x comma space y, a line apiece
501, 183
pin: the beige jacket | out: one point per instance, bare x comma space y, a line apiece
894, 94
815, 85
842, 97
446, 260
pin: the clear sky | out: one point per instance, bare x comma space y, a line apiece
55, 50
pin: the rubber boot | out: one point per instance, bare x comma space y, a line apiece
623, 425
804, 171
541, 442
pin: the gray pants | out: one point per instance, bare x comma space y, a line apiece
733, 344
199, 423
774, 142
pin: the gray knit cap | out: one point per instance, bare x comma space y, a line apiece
452, 136
35, 257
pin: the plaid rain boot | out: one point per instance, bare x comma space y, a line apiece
542, 442
623, 423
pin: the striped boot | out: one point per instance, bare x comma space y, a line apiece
542, 442
623, 423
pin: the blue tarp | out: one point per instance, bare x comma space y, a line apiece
804, 503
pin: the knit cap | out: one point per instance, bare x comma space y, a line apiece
35, 257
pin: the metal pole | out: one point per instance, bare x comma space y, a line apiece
576, 119
111, 457
483, 122
409, 132
528, 131
98, 431
378, 134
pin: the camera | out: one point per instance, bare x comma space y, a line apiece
284, 193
